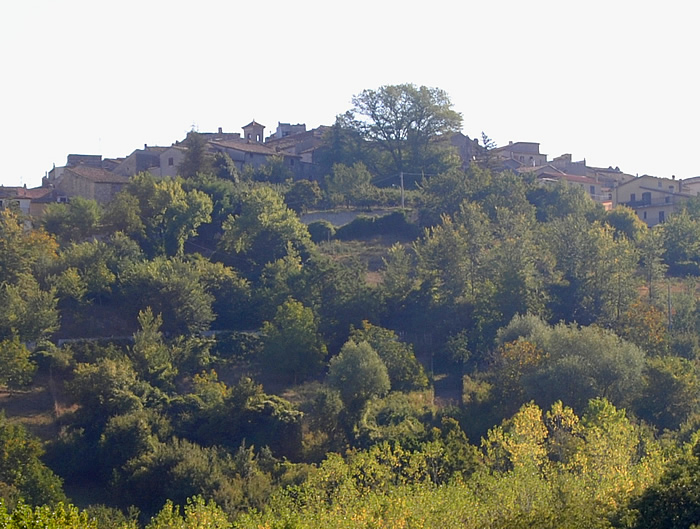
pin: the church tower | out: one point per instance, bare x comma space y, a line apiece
253, 132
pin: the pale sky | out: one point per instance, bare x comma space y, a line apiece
613, 82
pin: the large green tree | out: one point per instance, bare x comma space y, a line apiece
292, 342
22, 474
262, 231
359, 374
405, 372
75, 221
197, 159
168, 214
406, 122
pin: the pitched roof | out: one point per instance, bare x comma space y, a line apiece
253, 124
23, 192
245, 146
97, 175
559, 175
35, 192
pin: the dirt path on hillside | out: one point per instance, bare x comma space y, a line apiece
38, 409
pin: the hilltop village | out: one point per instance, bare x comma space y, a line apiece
94, 177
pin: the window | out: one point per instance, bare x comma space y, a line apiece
668, 200
646, 197
592, 190
661, 184
670, 188
171, 161
645, 215
662, 216
633, 197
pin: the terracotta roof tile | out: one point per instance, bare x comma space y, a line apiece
244, 146
98, 175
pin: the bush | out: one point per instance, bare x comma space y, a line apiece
394, 223
321, 230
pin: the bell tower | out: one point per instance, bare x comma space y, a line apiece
253, 132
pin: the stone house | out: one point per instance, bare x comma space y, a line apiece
90, 182
253, 154
170, 160
139, 161
522, 153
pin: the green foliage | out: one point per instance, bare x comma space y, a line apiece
109, 387
22, 474
22, 251
561, 200
196, 159
123, 214
302, 196
178, 470
232, 295
321, 231
128, 436
405, 373
349, 184
322, 415
225, 169
585, 363
651, 262
275, 170
262, 231
681, 240
445, 193
26, 310
218, 415
169, 214
597, 272
646, 326
172, 288
394, 224
407, 123
292, 344
398, 417
86, 273
150, 355
72, 222
670, 392
673, 502
197, 514
60, 516
626, 223
338, 293
359, 374
565, 362
535, 470
16, 368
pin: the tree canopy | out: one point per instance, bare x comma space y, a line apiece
406, 122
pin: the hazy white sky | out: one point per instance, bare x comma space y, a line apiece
611, 81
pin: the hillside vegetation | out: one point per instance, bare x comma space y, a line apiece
493, 355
